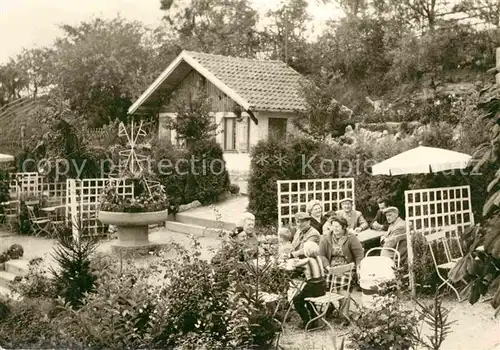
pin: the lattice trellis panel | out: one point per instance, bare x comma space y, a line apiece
88, 194
293, 195
437, 207
432, 208
55, 190
29, 183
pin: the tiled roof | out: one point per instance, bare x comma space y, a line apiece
266, 85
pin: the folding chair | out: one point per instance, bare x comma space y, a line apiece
442, 237
11, 211
39, 225
339, 279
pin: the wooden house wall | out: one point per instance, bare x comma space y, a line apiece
195, 81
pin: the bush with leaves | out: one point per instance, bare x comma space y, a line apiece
172, 172
484, 267
207, 178
15, 251
386, 326
37, 283
123, 310
202, 309
28, 325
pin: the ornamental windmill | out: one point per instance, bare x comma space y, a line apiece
148, 205
131, 163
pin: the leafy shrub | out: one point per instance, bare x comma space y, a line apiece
28, 325
208, 177
37, 283
234, 188
386, 326
426, 278
172, 172
122, 311
15, 251
302, 158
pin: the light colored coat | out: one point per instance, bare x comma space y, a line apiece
395, 237
354, 219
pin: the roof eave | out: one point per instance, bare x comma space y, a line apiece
278, 110
184, 56
156, 84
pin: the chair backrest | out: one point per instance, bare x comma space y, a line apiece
442, 237
31, 212
11, 208
396, 257
340, 277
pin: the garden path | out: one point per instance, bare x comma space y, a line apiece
230, 210
39, 247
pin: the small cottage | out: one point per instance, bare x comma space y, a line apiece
251, 98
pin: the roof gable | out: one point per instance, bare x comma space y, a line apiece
253, 84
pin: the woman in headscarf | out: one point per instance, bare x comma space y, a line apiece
315, 209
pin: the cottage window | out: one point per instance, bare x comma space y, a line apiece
236, 134
229, 134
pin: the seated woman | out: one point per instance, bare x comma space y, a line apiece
315, 209
337, 246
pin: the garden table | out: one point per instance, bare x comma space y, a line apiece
369, 234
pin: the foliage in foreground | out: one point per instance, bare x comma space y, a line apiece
389, 325
183, 301
483, 267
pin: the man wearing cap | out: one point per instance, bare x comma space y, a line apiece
355, 220
396, 234
305, 232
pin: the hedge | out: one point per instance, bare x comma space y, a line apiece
265, 172
197, 173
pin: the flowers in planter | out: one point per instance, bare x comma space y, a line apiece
147, 198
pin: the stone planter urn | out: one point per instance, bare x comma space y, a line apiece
133, 228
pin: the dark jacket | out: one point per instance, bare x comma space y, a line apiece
318, 225
352, 249
382, 219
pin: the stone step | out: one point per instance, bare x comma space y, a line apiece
7, 293
6, 278
190, 219
191, 229
18, 267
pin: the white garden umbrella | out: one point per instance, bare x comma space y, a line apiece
4, 158
422, 160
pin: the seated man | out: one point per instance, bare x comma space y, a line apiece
380, 223
245, 230
396, 234
355, 220
305, 232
